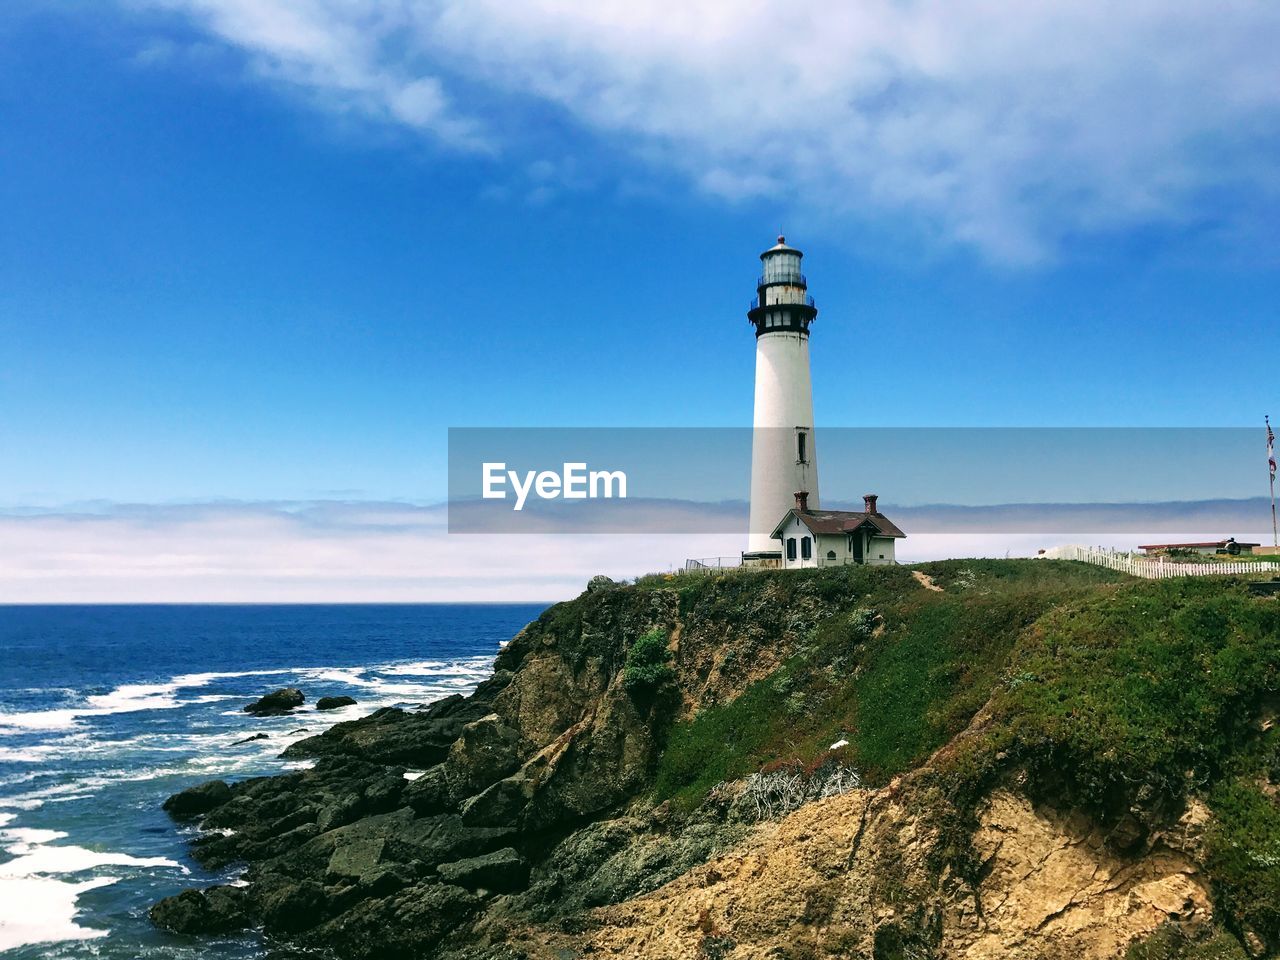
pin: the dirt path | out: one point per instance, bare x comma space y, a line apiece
925, 581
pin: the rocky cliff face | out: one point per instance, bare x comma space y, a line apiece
556, 812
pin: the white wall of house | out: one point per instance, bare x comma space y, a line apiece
797, 531
875, 550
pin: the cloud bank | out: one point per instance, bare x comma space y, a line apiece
1006, 127
334, 552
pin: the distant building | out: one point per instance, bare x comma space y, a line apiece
1229, 546
820, 538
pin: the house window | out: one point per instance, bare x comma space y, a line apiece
831, 554
806, 548
802, 447
791, 548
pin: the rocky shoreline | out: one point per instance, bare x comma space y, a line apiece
474, 812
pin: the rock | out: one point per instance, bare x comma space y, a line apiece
256, 736
357, 859
407, 924
600, 582
391, 735
383, 793
339, 813
499, 804
502, 871
486, 751
287, 907
215, 910
429, 793
277, 702
333, 703
197, 801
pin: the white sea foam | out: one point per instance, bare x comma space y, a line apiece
35, 906
34, 754
418, 668
33, 799
34, 859
43, 910
126, 698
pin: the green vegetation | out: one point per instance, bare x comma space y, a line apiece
1170, 943
1244, 856
1129, 699
647, 667
886, 664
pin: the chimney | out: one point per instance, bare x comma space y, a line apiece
802, 501
869, 502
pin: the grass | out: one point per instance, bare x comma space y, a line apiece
896, 694
1127, 700
1243, 856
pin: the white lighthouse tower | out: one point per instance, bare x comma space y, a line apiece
784, 460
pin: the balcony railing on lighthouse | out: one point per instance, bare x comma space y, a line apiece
808, 302
786, 276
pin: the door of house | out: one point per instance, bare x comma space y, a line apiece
857, 547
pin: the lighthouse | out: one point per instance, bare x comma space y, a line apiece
784, 458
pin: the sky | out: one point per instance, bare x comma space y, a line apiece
267, 253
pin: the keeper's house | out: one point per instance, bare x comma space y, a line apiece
822, 538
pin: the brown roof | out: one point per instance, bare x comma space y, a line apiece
1189, 546
840, 521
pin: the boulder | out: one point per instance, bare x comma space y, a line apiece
407, 924
288, 907
333, 703
502, 871
487, 751
429, 793
498, 805
215, 910
197, 801
256, 736
277, 702
356, 858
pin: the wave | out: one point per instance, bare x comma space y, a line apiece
43, 910
36, 906
126, 698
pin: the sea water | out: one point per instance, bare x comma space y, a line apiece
107, 710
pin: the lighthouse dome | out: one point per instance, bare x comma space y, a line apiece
782, 264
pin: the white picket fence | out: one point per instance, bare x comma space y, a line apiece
1156, 569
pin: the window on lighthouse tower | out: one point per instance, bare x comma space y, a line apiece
802, 451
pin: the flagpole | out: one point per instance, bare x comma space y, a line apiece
1275, 541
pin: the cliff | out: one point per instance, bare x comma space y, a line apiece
964, 759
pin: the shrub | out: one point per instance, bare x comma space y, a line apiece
862, 624
782, 787
1244, 857
647, 667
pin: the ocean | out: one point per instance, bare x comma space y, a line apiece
107, 710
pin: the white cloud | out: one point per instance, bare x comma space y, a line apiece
329, 551
1005, 126
309, 552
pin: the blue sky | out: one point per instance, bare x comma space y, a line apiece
270, 251
258, 256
